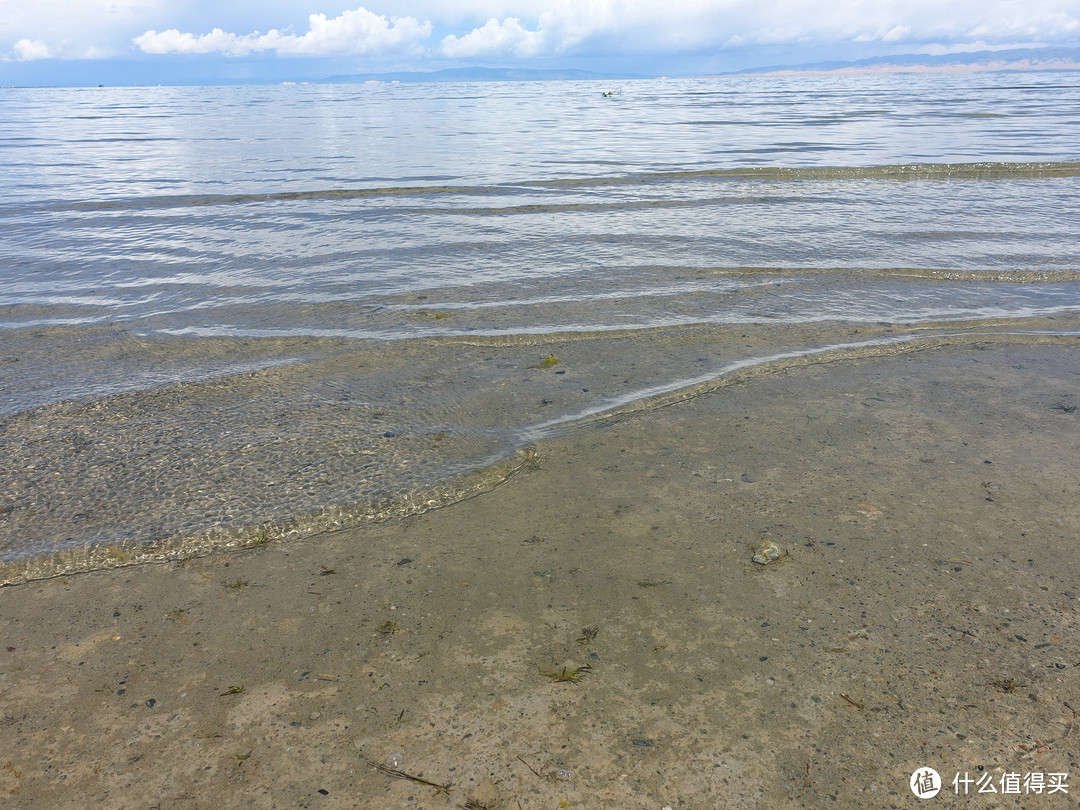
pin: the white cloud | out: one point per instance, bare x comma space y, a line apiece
494, 37
894, 34
644, 26
172, 41
358, 31
70, 29
1031, 24
30, 50
560, 28
513, 29
26, 50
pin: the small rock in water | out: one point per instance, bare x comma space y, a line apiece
768, 552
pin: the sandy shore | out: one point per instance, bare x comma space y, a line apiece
926, 615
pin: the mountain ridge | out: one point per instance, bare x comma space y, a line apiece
1012, 59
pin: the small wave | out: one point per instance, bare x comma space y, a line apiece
513, 454
1017, 275
911, 171
682, 390
122, 554
984, 171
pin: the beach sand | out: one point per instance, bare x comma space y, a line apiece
925, 616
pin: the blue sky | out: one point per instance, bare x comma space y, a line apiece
171, 41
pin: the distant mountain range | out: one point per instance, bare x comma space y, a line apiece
1015, 59
479, 74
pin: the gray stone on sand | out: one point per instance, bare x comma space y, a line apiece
768, 552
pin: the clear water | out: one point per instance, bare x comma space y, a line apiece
291, 308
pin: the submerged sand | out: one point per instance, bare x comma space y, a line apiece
925, 616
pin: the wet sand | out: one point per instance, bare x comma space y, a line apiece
925, 615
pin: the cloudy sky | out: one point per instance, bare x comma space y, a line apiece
84, 41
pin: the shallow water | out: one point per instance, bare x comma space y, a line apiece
291, 308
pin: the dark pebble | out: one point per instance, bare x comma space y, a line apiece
151, 703
324, 791
403, 561
644, 743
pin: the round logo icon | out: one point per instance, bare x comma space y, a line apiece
925, 783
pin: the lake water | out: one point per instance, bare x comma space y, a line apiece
237, 313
